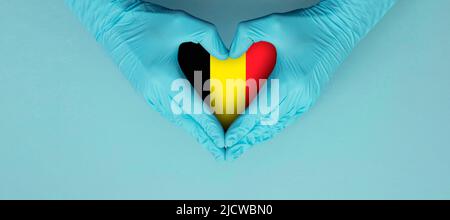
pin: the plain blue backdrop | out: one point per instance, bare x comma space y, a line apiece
71, 127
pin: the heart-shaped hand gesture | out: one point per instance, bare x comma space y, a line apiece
143, 39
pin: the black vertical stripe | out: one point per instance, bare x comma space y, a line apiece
193, 57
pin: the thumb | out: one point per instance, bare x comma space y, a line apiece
241, 42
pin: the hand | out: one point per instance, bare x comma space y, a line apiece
143, 39
311, 44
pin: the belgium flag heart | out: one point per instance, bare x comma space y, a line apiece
229, 86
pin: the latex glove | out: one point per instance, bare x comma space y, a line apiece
311, 43
143, 40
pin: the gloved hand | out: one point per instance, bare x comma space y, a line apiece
143, 40
311, 43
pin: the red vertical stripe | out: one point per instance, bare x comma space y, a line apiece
261, 60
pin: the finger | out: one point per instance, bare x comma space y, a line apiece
236, 151
240, 128
208, 123
250, 129
242, 40
213, 43
247, 121
257, 133
206, 129
202, 133
201, 32
204, 126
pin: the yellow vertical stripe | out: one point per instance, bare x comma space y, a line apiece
228, 98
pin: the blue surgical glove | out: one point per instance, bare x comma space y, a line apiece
143, 40
311, 43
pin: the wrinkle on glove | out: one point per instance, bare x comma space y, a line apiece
143, 39
311, 44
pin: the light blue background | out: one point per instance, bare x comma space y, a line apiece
71, 127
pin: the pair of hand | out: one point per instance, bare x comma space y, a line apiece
143, 39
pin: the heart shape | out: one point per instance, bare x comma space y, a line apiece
229, 86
